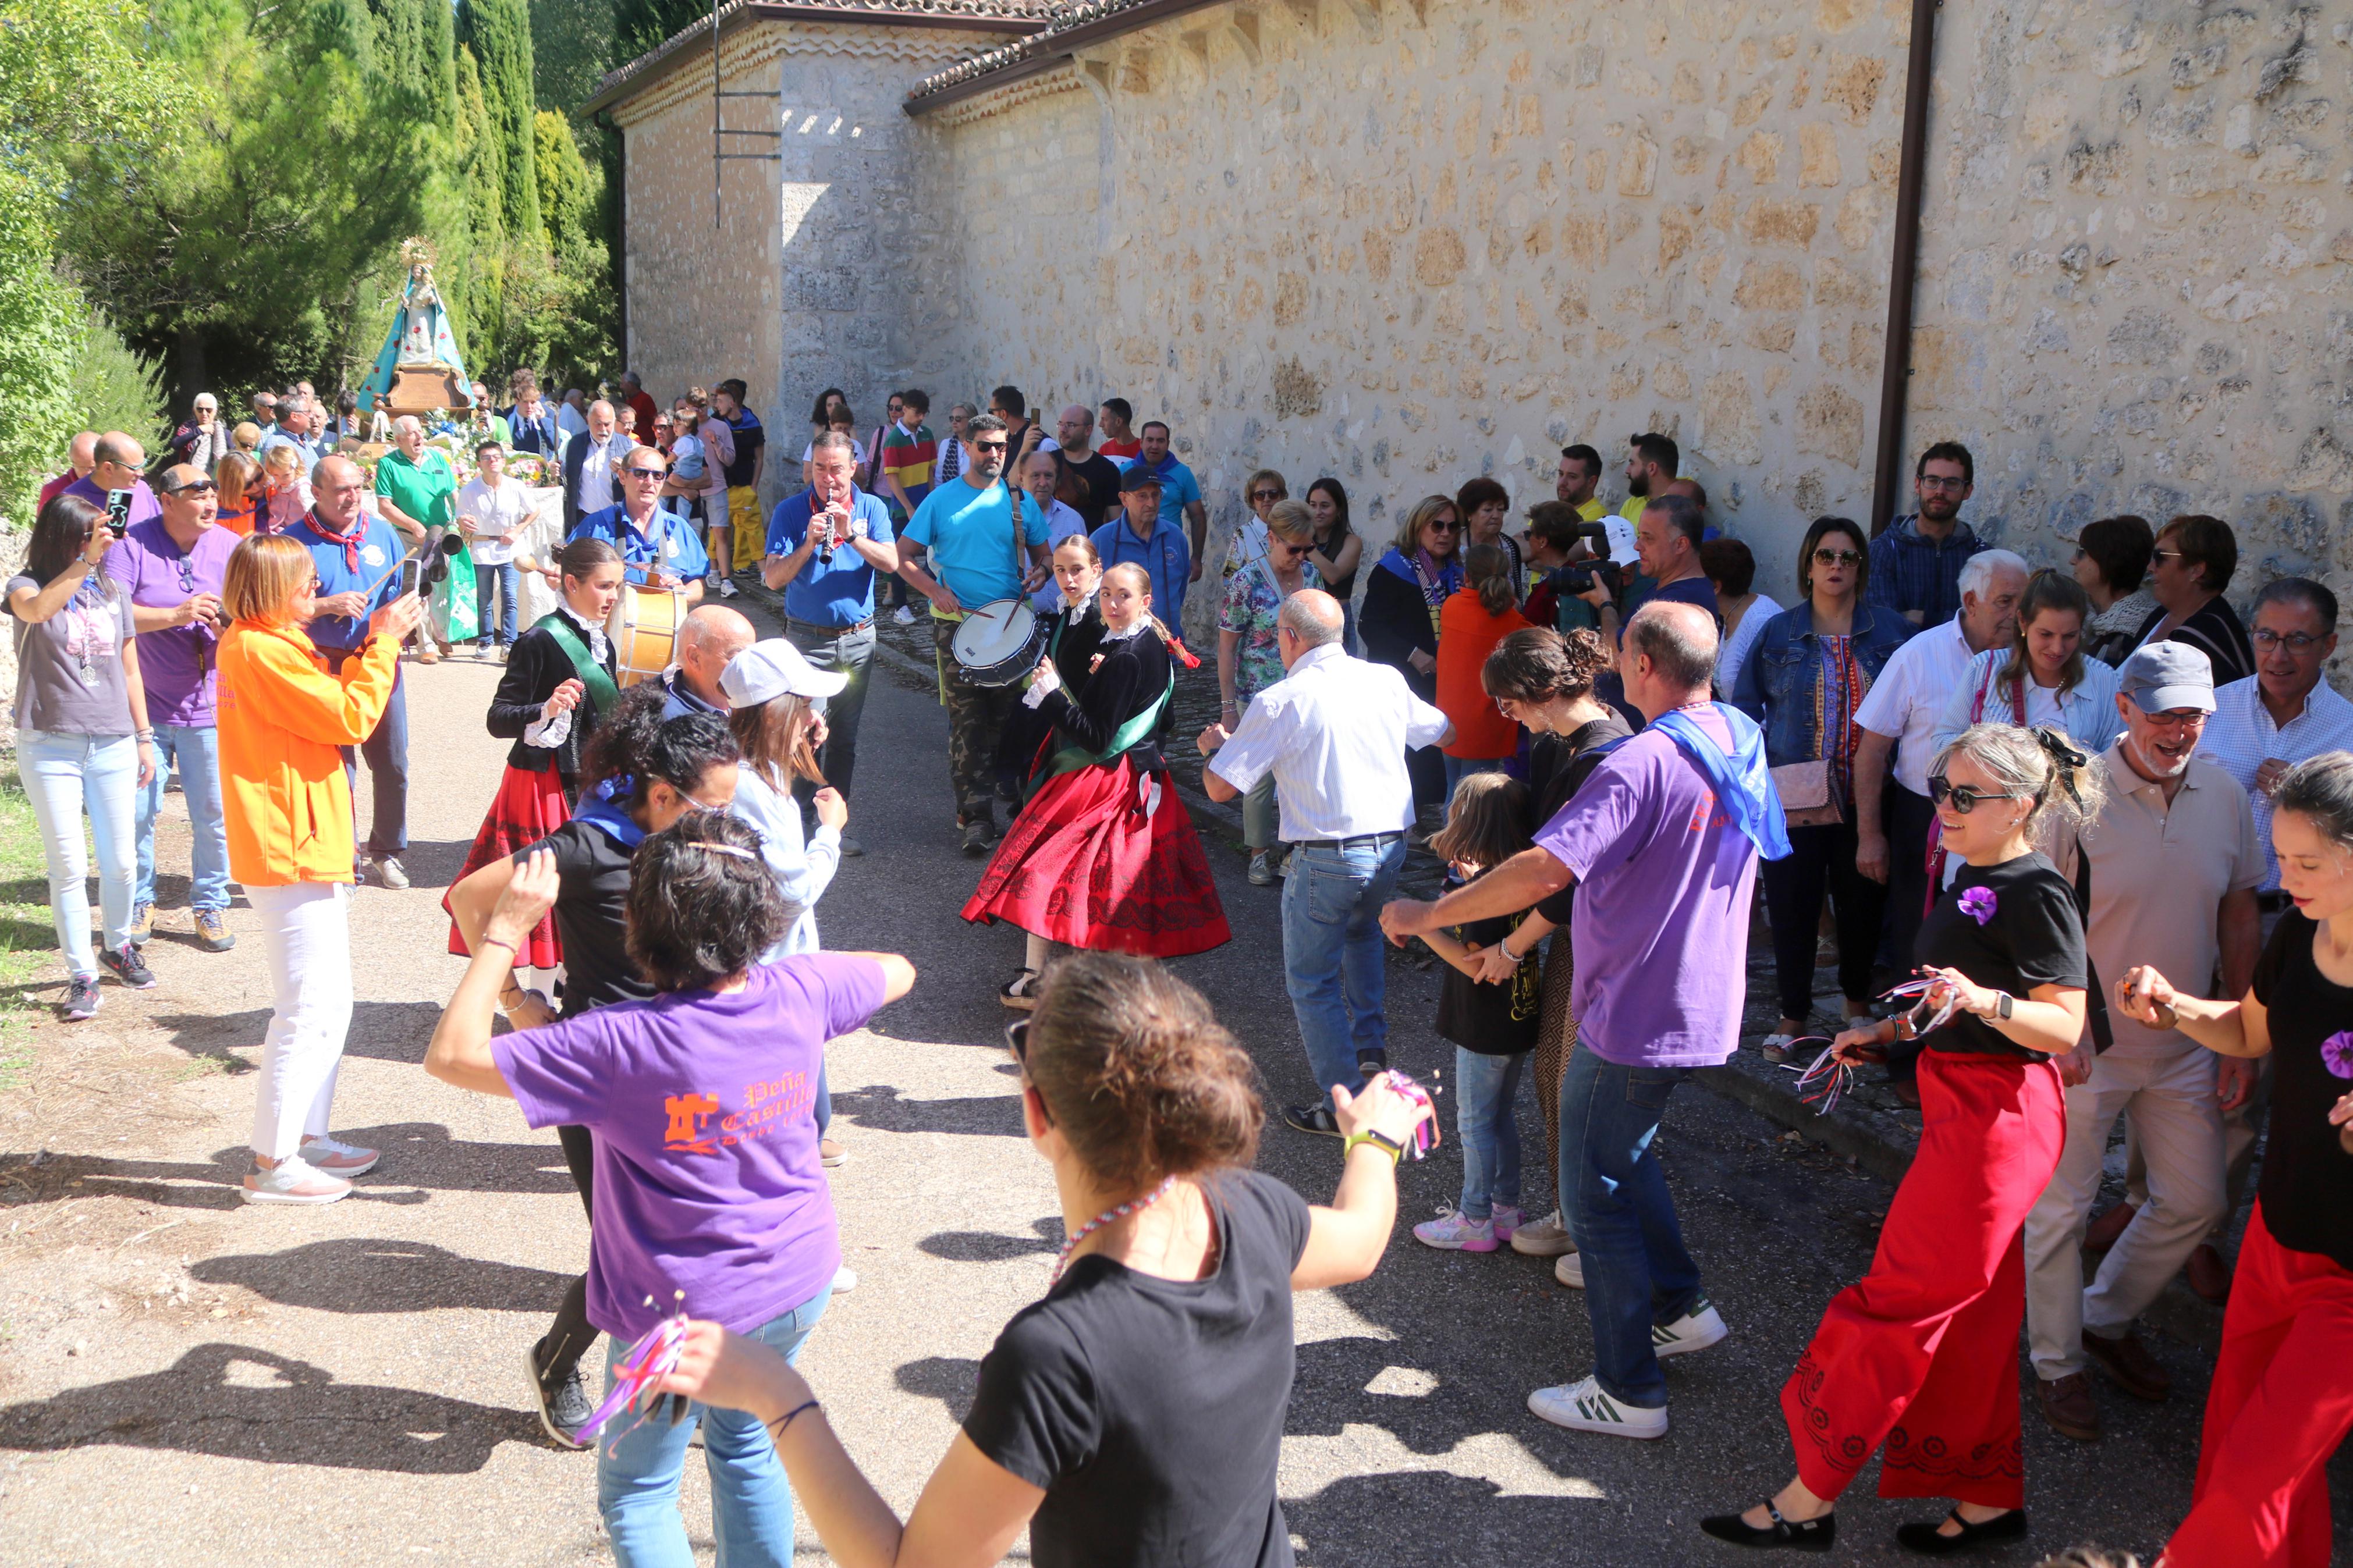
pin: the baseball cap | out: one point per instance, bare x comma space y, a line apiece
771, 668
2162, 676
1136, 476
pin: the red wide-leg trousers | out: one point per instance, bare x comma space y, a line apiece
1922, 1354
2280, 1401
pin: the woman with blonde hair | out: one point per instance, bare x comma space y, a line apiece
237, 492
282, 719
1263, 490
1248, 660
1422, 570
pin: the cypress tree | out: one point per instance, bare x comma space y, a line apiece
499, 34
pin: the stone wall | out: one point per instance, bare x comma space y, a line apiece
1411, 241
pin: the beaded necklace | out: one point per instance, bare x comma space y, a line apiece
1116, 1212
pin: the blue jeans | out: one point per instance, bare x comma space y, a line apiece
751, 1501
195, 754
1333, 962
1614, 1199
64, 776
386, 753
843, 653
1485, 1086
509, 584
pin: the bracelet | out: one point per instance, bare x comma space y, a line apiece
1378, 1139
776, 1428
494, 942
1505, 947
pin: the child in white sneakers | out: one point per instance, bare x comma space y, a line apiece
1488, 1008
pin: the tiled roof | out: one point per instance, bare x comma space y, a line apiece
1061, 18
996, 16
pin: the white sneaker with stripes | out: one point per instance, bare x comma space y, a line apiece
1695, 1331
1583, 1407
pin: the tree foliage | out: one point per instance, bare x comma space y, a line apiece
498, 33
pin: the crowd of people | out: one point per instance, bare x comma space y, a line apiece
2040, 815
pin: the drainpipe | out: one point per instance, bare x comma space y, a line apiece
1895, 359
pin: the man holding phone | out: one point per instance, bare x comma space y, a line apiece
357, 557
116, 460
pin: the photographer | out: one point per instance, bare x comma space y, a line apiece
824, 547
174, 566
1560, 546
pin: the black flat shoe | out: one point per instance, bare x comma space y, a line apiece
1810, 1535
1926, 1539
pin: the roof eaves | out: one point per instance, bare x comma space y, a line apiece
1071, 28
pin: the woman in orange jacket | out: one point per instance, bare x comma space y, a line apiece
282, 718
1474, 618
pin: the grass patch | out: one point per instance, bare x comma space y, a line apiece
26, 942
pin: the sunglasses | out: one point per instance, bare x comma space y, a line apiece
1443, 525
1964, 797
1016, 1040
201, 488
988, 445
647, 473
1266, 495
1838, 557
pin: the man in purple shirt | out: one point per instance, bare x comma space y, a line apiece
1659, 841
115, 462
175, 564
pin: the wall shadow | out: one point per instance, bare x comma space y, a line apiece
357, 1275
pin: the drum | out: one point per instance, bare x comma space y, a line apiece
644, 628
999, 643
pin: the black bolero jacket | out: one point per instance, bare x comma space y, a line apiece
536, 666
1133, 676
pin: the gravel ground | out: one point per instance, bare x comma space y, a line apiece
186, 1379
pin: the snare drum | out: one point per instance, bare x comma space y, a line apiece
644, 629
999, 643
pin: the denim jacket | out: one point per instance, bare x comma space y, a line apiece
1782, 677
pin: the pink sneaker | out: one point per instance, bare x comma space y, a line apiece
1507, 1221
1452, 1232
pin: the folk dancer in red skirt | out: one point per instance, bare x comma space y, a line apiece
1104, 855
1921, 1357
558, 680
2281, 1398
1074, 633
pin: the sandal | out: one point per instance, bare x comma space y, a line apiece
1020, 992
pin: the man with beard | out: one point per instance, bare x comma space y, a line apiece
1074, 440
2174, 868
1915, 564
1651, 460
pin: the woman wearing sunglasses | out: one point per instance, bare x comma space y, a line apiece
1802, 680
1248, 660
1134, 1415
1409, 587
1248, 547
1922, 1355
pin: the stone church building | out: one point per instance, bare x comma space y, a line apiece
1406, 242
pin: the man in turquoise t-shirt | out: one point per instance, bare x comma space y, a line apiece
967, 525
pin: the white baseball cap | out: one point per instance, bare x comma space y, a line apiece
771, 668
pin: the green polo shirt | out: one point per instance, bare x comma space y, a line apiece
424, 489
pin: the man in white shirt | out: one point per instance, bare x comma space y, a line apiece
1899, 714
493, 509
592, 461
1334, 732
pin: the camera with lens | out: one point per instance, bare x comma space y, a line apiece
1579, 579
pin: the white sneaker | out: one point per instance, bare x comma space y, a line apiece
1453, 1231
906, 616
1583, 1407
1695, 1331
1545, 1237
1570, 1269
845, 1280
338, 1159
293, 1180
727, 589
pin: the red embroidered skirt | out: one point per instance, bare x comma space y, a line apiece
1092, 864
528, 807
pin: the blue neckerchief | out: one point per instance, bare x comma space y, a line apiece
602, 810
1742, 782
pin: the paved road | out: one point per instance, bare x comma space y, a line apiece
186, 1379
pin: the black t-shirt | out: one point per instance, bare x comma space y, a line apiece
1497, 1020
1558, 766
1102, 476
591, 902
2032, 936
1151, 1410
750, 437
2308, 1181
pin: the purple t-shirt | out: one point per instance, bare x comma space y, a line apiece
707, 1172
175, 665
1661, 929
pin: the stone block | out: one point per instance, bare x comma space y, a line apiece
1829, 422
1767, 221
1818, 156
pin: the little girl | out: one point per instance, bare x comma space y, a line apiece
1492, 1026
286, 494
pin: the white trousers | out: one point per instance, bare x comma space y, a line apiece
306, 930
2172, 1105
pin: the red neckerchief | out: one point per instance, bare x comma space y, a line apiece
350, 541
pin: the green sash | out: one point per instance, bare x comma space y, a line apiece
1070, 759
593, 676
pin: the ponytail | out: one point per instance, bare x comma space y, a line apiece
1487, 572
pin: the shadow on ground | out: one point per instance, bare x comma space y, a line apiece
419, 1158
359, 1275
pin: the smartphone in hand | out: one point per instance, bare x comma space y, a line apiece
117, 512
412, 575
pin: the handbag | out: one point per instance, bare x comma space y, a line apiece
1805, 791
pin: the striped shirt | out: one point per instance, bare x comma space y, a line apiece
907, 459
2214, 631
2240, 737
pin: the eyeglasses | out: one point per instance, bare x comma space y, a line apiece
1941, 482
1266, 495
2167, 555
1965, 797
646, 473
1443, 525
1838, 557
2177, 719
2294, 642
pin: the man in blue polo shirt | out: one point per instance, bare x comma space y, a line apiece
1147, 537
979, 550
1180, 493
661, 544
826, 573
357, 556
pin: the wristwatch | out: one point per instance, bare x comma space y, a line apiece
2002, 1003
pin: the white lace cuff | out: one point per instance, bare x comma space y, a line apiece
1047, 680
548, 732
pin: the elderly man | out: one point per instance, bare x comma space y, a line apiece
1180, 492
592, 461
571, 417
294, 428
115, 462
1146, 536
709, 637
1917, 562
81, 456
1663, 843
264, 411
2174, 866
659, 547
825, 546
978, 531
1334, 733
354, 554
174, 566
203, 439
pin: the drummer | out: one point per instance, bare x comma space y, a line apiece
657, 547
969, 526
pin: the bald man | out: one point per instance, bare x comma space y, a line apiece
115, 461
1074, 434
709, 637
81, 453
